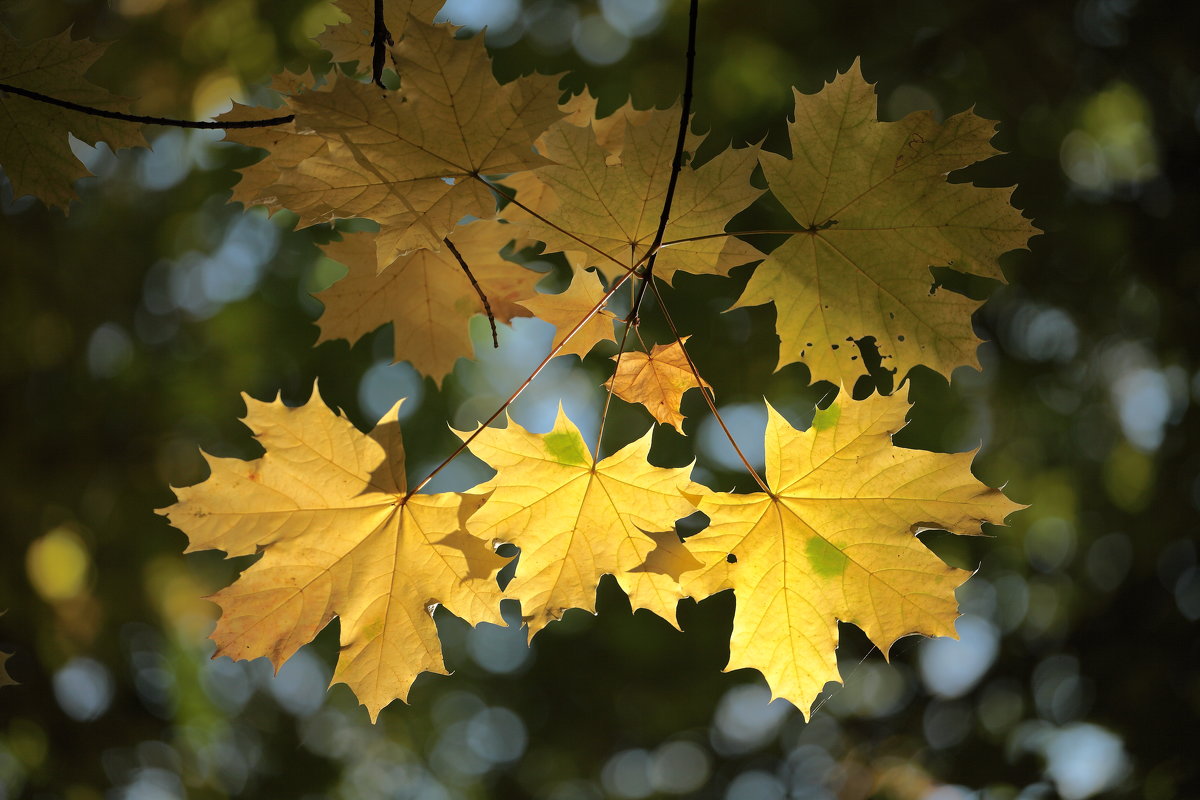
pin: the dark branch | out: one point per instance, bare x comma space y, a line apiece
380, 39
462, 262
170, 123
676, 164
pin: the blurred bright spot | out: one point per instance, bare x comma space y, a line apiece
1108, 560
746, 719
1143, 404
551, 24
109, 351
1128, 477
946, 723
755, 785
1049, 543
384, 383
1058, 691
1084, 760
83, 689
300, 684
496, 15
872, 689
598, 42
500, 650
1039, 333
1187, 593
679, 767
1113, 143
951, 667
906, 98
747, 422
633, 17
227, 683
627, 774
1001, 706
58, 565
497, 735
743, 61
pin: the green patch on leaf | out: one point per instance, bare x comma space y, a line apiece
827, 417
567, 447
826, 560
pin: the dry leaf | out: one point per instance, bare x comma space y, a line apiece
656, 379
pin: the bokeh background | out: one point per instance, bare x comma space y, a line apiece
131, 326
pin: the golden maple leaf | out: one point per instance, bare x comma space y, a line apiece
35, 148
879, 213
412, 160
656, 379
425, 295
326, 507
565, 309
350, 37
608, 206
576, 520
836, 541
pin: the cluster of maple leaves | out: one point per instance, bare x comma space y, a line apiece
456, 167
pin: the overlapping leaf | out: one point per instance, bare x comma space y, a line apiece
836, 541
426, 295
326, 507
608, 207
566, 309
879, 213
351, 37
35, 148
412, 160
576, 520
657, 380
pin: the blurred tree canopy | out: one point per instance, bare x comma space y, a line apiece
131, 326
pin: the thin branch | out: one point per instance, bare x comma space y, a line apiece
611, 386
707, 392
462, 262
676, 163
170, 123
553, 352
380, 39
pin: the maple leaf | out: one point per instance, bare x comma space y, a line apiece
349, 39
836, 541
879, 213
608, 207
576, 520
425, 295
326, 507
34, 136
412, 160
566, 309
656, 379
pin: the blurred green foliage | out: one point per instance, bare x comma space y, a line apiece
131, 326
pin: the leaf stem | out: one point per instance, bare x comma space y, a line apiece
676, 163
707, 393
608, 398
541, 365
487, 307
144, 120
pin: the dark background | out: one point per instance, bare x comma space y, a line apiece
131, 326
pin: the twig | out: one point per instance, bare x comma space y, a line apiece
706, 392
553, 352
676, 163
612, 385
170, 123
462, 262
380, 39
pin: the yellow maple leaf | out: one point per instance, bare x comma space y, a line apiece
326, 507
880, 213
411, 160
425, 295
350, 37
35, 149
836, 541
576, 520
565, 309
601, 203
656, 379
